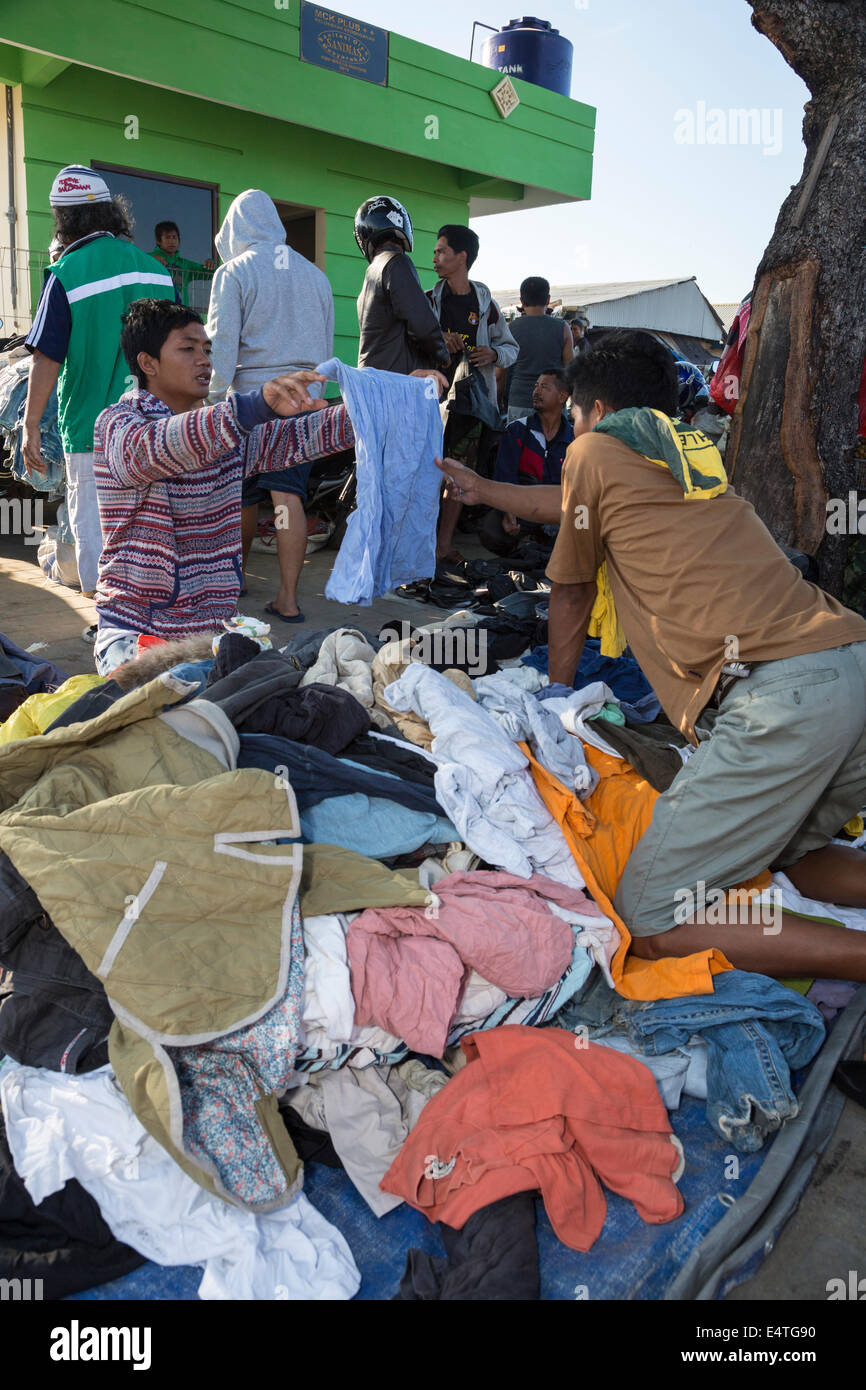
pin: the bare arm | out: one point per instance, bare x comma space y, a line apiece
43, 379
541, 504
570, 607
567, 345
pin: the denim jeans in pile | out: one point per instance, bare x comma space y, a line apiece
757, 1032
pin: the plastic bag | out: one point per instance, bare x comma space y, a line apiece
469, 397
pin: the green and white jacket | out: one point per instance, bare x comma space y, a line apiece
100, 275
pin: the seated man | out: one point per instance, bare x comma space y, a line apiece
531, 453
169, 473
697, 579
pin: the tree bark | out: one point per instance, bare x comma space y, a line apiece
793, 435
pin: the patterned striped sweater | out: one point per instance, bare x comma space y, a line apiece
169, 489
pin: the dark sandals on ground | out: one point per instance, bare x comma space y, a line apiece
283, 617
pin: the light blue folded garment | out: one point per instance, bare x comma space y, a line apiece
373, 826
391, 537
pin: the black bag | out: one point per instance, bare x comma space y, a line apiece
471, 398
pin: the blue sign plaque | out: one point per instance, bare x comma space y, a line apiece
335, 41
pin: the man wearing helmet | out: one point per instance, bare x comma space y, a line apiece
398, 328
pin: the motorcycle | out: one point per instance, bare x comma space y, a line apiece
332, 494
331, 498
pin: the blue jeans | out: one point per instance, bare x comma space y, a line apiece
757, 1032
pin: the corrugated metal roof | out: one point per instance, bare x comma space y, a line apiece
672, 306
692, 349
593, 294
727, 312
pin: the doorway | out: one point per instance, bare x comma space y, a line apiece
305, 230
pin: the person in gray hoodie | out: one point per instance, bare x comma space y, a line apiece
271, 311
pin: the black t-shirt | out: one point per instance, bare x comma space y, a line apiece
459, 314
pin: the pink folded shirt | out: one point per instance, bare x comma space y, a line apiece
409, 966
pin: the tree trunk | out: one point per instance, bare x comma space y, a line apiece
793, 436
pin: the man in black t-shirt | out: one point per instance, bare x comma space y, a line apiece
459, 323
470, 320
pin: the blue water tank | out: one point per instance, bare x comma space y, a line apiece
532, 49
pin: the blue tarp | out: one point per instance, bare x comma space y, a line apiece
629, 1260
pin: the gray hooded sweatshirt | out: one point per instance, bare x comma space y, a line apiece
271, 310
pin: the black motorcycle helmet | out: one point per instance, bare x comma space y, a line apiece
382, 219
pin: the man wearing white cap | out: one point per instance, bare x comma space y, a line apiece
76, 337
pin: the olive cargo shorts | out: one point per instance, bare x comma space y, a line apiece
781, 773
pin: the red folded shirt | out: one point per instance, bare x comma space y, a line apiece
539, 1108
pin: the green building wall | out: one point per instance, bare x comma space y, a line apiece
193, 139
221, 95
245, 53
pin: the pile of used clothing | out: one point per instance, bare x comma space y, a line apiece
335, 905
56, 552
22, 674
14, 380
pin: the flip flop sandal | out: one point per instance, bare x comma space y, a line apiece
283, 617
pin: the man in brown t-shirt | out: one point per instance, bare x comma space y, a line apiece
698, 582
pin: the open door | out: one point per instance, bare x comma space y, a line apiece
305, 230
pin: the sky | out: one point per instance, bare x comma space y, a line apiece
661, 207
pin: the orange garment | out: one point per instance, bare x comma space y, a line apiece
601, 833
532, 1111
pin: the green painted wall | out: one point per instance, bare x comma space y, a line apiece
236, 150
221, 96
245, 52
